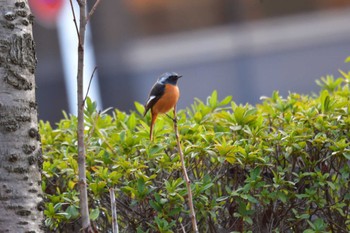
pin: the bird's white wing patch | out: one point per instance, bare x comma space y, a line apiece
150, 99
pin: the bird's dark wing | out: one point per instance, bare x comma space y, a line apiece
156, 92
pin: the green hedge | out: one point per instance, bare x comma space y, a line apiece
280, 166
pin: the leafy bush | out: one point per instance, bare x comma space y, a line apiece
281, 166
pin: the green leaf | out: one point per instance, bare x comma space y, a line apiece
198, 117
155, 149
207, 186
225, 101
213, 99
97, 188
115, 176
309, 231
94, 213
72, 212
255, 173
222, 198
346, 155
139, 107
304, 216
90, 106
175, 211
252, 199
141, 188
131, 123
50, 210
282, 196
331, 185
155, 205
324, 101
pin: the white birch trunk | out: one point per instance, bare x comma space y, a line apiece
21, 201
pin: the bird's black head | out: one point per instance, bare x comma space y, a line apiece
169, 78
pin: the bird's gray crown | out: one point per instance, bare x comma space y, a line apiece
169, 77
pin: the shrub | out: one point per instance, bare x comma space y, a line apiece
280, 166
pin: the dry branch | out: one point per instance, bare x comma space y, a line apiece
115, 228
187, 180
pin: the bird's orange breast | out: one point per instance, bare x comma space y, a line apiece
168, 100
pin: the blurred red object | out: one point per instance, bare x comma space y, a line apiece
46, 11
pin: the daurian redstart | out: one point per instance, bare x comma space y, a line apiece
163, 96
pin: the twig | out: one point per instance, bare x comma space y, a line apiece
182, 227
187, 180
92, 11
88, 89
75, 20
115, 228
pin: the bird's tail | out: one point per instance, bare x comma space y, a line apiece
154, 117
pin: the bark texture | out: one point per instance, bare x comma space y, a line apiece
21, 200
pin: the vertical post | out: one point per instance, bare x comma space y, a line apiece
115, 228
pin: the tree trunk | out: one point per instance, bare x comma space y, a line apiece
21, 201
84, 206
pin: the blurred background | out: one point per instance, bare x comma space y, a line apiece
243, 48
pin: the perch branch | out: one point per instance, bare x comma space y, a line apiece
187, 180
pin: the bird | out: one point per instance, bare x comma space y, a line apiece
162, 97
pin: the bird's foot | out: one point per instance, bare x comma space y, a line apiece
172, 118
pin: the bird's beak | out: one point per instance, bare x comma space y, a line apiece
179, 76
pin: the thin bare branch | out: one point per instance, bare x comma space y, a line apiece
92, 11
88, 89
182, 228
75, 20
187, 179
